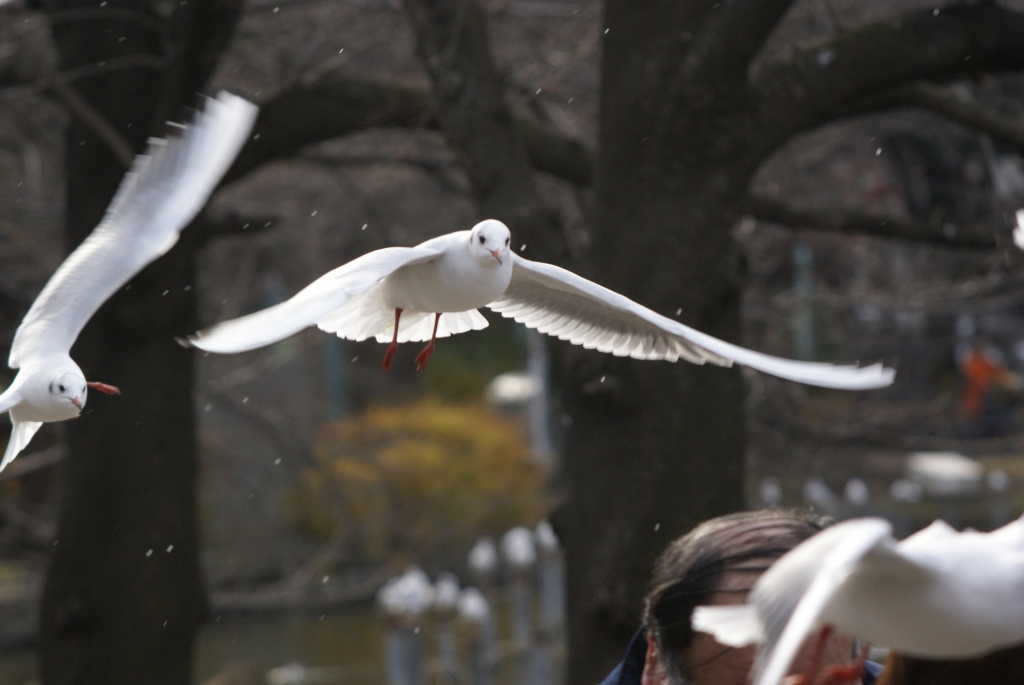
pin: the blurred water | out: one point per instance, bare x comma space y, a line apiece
350, 641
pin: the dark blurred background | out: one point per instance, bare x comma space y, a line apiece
831, 180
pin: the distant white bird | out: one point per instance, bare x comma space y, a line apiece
162, 192
938, 594
449, 277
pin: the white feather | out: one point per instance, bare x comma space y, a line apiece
732, 625
938, 594
161, 194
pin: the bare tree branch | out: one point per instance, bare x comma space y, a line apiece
96, 122
331, 105
772, 210
817, 81
956, 104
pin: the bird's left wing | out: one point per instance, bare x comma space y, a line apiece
560, 303
158, 197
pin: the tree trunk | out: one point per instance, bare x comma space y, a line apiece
655, 448
453, 40
124, 597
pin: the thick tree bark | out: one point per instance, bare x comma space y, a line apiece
124, 597
468, 98
655, 448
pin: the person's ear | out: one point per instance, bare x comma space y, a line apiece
654, 672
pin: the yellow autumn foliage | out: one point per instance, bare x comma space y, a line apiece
415, 482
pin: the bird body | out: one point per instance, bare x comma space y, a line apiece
454, 282
938, 594
158, 197
433, 290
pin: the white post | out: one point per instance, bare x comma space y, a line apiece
446, 596
481, 640
405, 599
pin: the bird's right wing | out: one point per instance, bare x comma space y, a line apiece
560, 303
21, 435
158, 197
312, 304
791, 595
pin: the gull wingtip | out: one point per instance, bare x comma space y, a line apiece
185, 342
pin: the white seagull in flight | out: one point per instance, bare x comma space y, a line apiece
938, 594
158, 197
433, 290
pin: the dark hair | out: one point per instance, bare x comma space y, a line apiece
998, 668
690, 571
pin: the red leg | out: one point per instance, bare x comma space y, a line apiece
847, 673
424, 356
104, 388
816, 654
389, 356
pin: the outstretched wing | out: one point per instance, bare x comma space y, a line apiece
313, 304
21, 434
164, 190
791, 595
560, 303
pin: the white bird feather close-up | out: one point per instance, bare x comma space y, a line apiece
164, 190
938, 594
433, 290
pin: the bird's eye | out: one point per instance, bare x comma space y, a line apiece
61, 388
507, 240
482, 240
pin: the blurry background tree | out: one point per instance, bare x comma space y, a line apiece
419, 483
386, 123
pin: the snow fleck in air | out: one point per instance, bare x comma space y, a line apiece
149, 553
657, 526
325, 579
169, 548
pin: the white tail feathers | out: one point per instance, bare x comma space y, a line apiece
736, 625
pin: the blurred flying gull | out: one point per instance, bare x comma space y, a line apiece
938, 594
433, 290
158, 197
